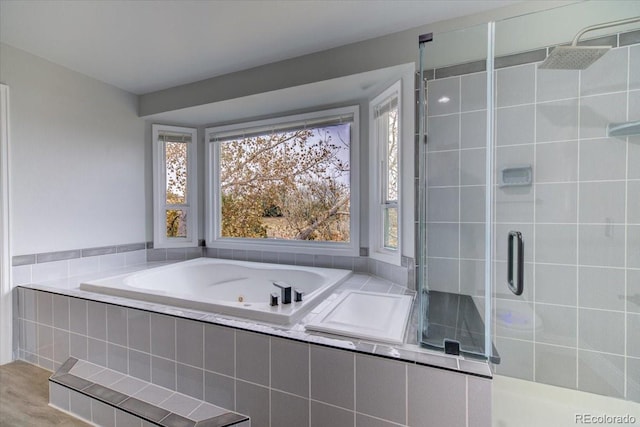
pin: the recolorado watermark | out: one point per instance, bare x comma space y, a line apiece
605, 419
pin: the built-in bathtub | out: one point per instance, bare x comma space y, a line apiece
236, 288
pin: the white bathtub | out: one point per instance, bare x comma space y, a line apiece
235, 288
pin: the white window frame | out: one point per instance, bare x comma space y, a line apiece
377, 175
212, 191
160, 239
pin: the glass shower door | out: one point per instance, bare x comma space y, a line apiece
453, 200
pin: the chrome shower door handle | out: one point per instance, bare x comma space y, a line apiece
518, 286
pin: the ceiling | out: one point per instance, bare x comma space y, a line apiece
145, 46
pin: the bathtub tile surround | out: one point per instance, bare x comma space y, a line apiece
579, 217
277, 377
56, 265
101, 396
42, 267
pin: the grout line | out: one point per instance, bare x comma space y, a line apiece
626, 238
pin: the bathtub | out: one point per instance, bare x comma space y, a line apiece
235, 288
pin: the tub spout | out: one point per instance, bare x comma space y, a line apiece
285, 292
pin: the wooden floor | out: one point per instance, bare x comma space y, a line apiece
24, 398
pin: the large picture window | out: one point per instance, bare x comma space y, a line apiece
287, 181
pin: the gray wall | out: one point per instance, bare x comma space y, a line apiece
77, 158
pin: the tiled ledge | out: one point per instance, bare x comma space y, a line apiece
107, 397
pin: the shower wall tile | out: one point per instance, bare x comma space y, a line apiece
556, 325
556, 203
437, 89
326, 415
473, 129
600, 330
602, 159
556, 162
443, 204
602, 202
516, 85
634, 157
608, 74
596, 112
601, 373
556, 84
444, 169
445, 238
517, 358
472, 167
443, 132
474, 92
472, 204
633, 246
556, 365
634, 67
44, 301
472, 241
515, 125
633, 343
472, 277
633, 379
633, 202
514, 204
557, 121
602, 245
602, 288
443, 274
556, 244
514, 319
633, 291
634, 105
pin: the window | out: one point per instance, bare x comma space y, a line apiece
286, 182
384, 117
175, 186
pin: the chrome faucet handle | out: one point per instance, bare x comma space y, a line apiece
285, 291
297, 295
273, 301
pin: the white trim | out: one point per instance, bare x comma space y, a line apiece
160, 239
376, 234
212, 193
6, 300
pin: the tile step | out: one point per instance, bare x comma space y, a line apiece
106, 397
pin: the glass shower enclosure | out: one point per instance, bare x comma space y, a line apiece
529, 198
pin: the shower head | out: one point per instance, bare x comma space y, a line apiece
576, 57
573, 57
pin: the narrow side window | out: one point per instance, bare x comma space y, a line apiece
175, 212
384, 116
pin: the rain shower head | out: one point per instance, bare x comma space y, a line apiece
576, 57
573, 57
